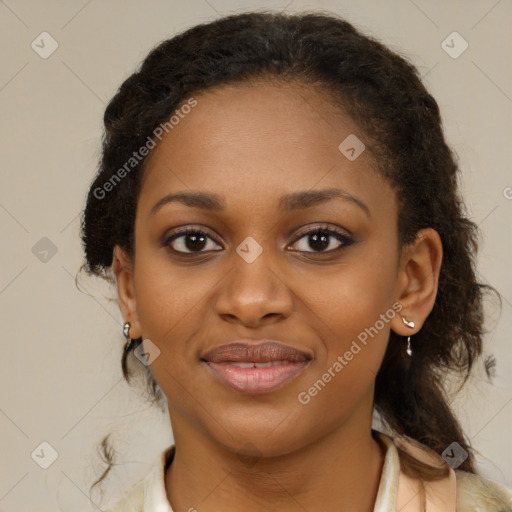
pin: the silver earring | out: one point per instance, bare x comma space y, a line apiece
129, 341
410, 324
408, 350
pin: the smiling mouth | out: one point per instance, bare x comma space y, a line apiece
256, 369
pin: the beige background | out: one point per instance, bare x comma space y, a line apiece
61, 378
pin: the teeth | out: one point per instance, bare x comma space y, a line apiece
267, 365
257, 365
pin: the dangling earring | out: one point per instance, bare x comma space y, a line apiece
410, 324
129, 341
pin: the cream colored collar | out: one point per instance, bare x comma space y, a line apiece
396, 490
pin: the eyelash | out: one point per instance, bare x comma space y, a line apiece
342, 237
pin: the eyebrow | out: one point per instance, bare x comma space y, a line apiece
287, 203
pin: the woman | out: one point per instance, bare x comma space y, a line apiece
280, 210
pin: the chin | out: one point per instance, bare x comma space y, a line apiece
259, 439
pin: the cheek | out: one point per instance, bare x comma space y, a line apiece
355, 344
164, 297
356, 311
350, 297
172, 310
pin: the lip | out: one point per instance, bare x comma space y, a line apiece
256, 368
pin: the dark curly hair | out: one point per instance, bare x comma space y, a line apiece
401, 122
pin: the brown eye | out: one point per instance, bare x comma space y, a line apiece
190, 241
321, 239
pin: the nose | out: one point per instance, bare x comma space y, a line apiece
254, 293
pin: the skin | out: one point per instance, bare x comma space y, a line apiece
251, 145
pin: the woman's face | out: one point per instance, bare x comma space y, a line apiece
266, 161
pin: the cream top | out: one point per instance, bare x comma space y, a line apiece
459, 492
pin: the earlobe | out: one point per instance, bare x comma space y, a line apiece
417, 281
123, 269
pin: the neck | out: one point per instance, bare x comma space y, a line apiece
339, 472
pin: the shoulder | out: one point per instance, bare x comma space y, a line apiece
132, 502
469, 492
478, 494
148, 494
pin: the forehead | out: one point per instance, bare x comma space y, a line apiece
251, 142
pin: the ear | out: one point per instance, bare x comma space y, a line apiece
417, 282
123, 269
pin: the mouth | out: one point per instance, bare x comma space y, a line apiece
256, 369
